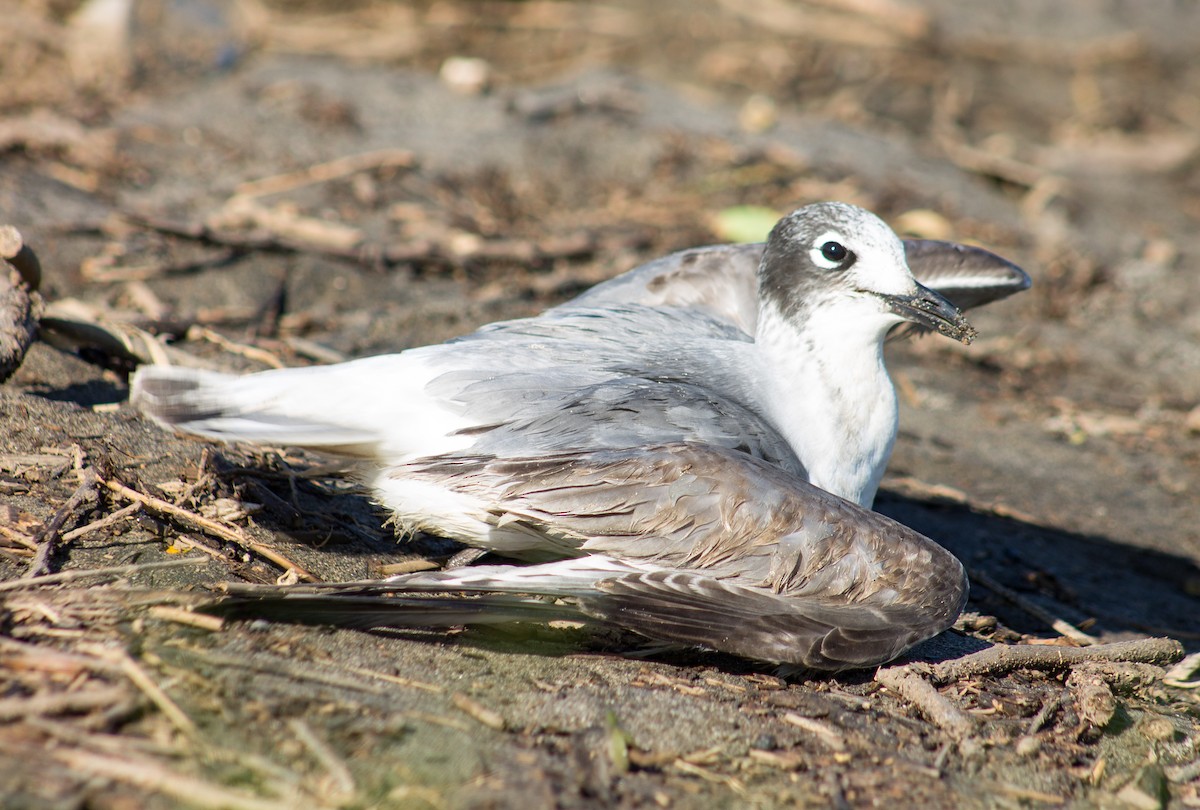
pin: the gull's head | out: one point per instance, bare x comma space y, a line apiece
844, 267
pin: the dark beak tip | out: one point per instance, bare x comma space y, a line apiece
961, 331
950, 319
931, 310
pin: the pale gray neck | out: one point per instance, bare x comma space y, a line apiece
829, 394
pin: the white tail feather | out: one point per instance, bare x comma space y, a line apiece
376, 407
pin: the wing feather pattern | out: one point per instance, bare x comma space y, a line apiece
687, 544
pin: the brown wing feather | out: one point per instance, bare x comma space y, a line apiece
815, 633
763, 564
685, 505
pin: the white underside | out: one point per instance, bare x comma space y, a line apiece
830, 395
438, 508
560, 577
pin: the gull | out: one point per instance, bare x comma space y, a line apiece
661, 466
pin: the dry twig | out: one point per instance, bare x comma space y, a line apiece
45, 131
731, 782
398, 680
827, 734
906, 682
1002, 659
212, 527
241, 349
860, 23
33, 657
49, 537
152, 775
330, 170
1060, 626
949, 135
87, 573
478, 711
63, 703
1044, 714
304, 671
108, 268
343, 780
27, 543
257, 228
102, 523
142, 680
190, 618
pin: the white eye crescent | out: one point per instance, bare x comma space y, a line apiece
829, 252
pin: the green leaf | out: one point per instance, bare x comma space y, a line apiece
744, 223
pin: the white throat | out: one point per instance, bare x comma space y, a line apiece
830, 395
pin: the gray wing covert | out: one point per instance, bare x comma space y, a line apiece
628, 412
611, 378
720, 280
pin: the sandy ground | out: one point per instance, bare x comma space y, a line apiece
241, 186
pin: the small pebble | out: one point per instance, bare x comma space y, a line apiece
468, 75
1158, 728
1192, 420
1028, 746
765, 742
1147, 791
924, 224
758, 114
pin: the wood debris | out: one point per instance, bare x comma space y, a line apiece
478, 711
20, 303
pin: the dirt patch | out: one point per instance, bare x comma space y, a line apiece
255, 186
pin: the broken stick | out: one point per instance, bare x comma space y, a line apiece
49, 536
1002, 659
212, 527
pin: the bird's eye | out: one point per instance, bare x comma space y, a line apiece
832, 255
834, 251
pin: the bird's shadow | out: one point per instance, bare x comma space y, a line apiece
86, 394
1097, 583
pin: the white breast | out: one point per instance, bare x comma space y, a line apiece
827, 391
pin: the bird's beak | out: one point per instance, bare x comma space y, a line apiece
930, 309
